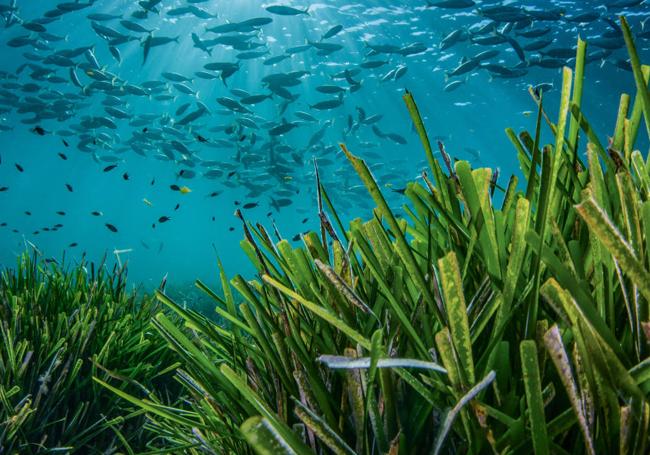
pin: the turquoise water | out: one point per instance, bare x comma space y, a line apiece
118, 110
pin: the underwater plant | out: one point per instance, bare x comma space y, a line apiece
479, 323
59, 328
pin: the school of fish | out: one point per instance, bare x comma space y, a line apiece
268, 135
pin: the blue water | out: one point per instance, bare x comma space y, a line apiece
470, 120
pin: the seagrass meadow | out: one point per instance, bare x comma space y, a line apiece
489, 319
60, 329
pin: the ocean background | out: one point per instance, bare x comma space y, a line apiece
470, 120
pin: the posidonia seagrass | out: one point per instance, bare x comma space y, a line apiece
529, 309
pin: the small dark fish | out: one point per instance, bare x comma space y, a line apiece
250, 205
69, 187
73, 244
396, 138
28, 213
304, 220
175, 187
201, 138
61, 213
231, 173
19, 167
125, 176
332, 32
96, 213
163, 219
110, 227
283, 10
39, 130
110, 167
296, 237
231, 228
65, 143
178, 206
3, 189
153, 181
63, 156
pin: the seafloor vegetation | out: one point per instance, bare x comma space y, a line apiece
490, 320
59, 329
